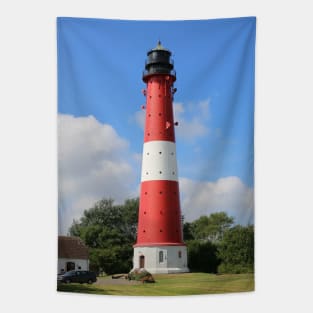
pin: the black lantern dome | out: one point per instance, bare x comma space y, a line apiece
159, 62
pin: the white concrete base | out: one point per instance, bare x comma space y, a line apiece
161, 259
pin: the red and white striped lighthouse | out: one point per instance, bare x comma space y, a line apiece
159, 247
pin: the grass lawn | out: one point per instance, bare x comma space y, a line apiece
169, 285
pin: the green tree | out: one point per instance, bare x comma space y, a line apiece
110, 231
130, 219
187, 231
236, 250
212, 227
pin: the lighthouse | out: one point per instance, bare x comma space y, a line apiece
159, 247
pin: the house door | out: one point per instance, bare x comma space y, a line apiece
70, 266
142, 261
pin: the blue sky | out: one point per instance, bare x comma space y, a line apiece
100, 64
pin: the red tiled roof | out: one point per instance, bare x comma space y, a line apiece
72, 248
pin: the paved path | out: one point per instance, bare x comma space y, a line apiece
121, 281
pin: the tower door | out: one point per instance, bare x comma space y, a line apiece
142, 261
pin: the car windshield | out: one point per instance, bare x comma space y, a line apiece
70, 273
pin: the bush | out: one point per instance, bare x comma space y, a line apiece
202, 256
236, 250
234, 268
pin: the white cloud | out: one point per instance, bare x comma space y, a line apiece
93, 163
189, 130
227, 194
192, 120
178, 109
204, 108
137, 157
139, 118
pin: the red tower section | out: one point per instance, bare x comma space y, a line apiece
159, 221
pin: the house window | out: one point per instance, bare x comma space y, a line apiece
70, 266
179, 254
161, 256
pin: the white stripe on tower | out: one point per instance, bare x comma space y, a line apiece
159, 161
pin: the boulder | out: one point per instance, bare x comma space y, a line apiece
141, 275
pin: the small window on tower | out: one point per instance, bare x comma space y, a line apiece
161, 256
179, 254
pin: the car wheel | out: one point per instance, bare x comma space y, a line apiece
67, 281
89, 281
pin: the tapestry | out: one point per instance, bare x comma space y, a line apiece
155, 156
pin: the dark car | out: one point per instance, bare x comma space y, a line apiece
78, 277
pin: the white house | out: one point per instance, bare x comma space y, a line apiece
73, 254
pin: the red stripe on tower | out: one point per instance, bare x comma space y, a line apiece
159, 220
159, 110
159, 214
